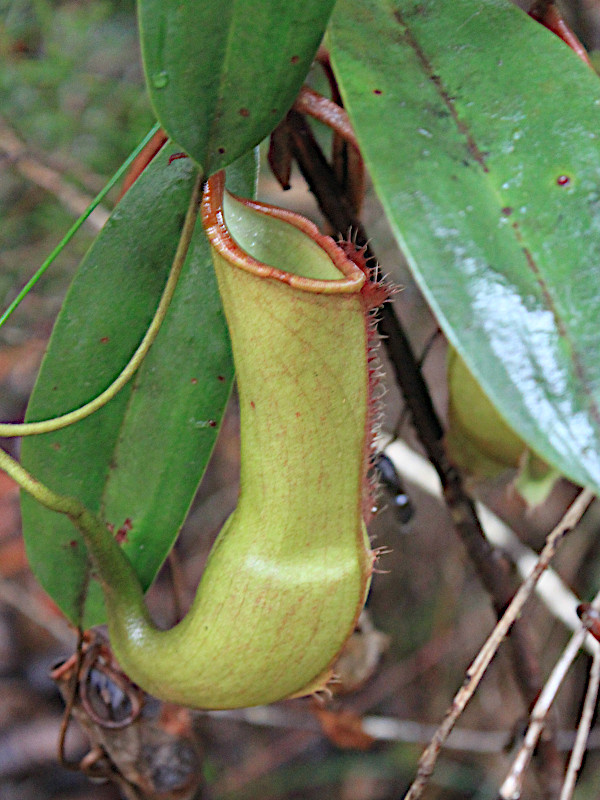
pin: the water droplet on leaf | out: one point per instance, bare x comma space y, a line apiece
160, 79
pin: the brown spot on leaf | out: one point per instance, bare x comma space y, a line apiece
121, 534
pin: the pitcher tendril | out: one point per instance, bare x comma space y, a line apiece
69, 418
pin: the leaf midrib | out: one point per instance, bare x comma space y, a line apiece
477, 154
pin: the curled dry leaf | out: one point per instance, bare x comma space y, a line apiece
343, 729
135, 740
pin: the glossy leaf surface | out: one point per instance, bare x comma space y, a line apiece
481, 132
139, 459
222, 74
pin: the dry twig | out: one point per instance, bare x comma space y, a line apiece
583, 731
558, 598
390, 729
73, 200
480, 664
26, 603
511, 788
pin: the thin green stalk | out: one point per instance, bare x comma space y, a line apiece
46, 426
41, 493
75, 227
107, 556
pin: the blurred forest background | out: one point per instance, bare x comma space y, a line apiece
73, 107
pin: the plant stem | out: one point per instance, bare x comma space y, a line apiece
46, 426
109, 560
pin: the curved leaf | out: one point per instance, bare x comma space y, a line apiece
480, 129
139, 459
222, 74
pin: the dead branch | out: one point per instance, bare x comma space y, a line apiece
477, 669
75, 201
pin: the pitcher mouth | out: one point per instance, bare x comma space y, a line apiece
213, 217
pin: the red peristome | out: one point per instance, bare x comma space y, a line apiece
356, 254
373, 294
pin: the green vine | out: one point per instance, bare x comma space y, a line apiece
76, 225
64, 420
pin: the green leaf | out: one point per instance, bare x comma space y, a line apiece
222, 74
139, 458
481, 132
